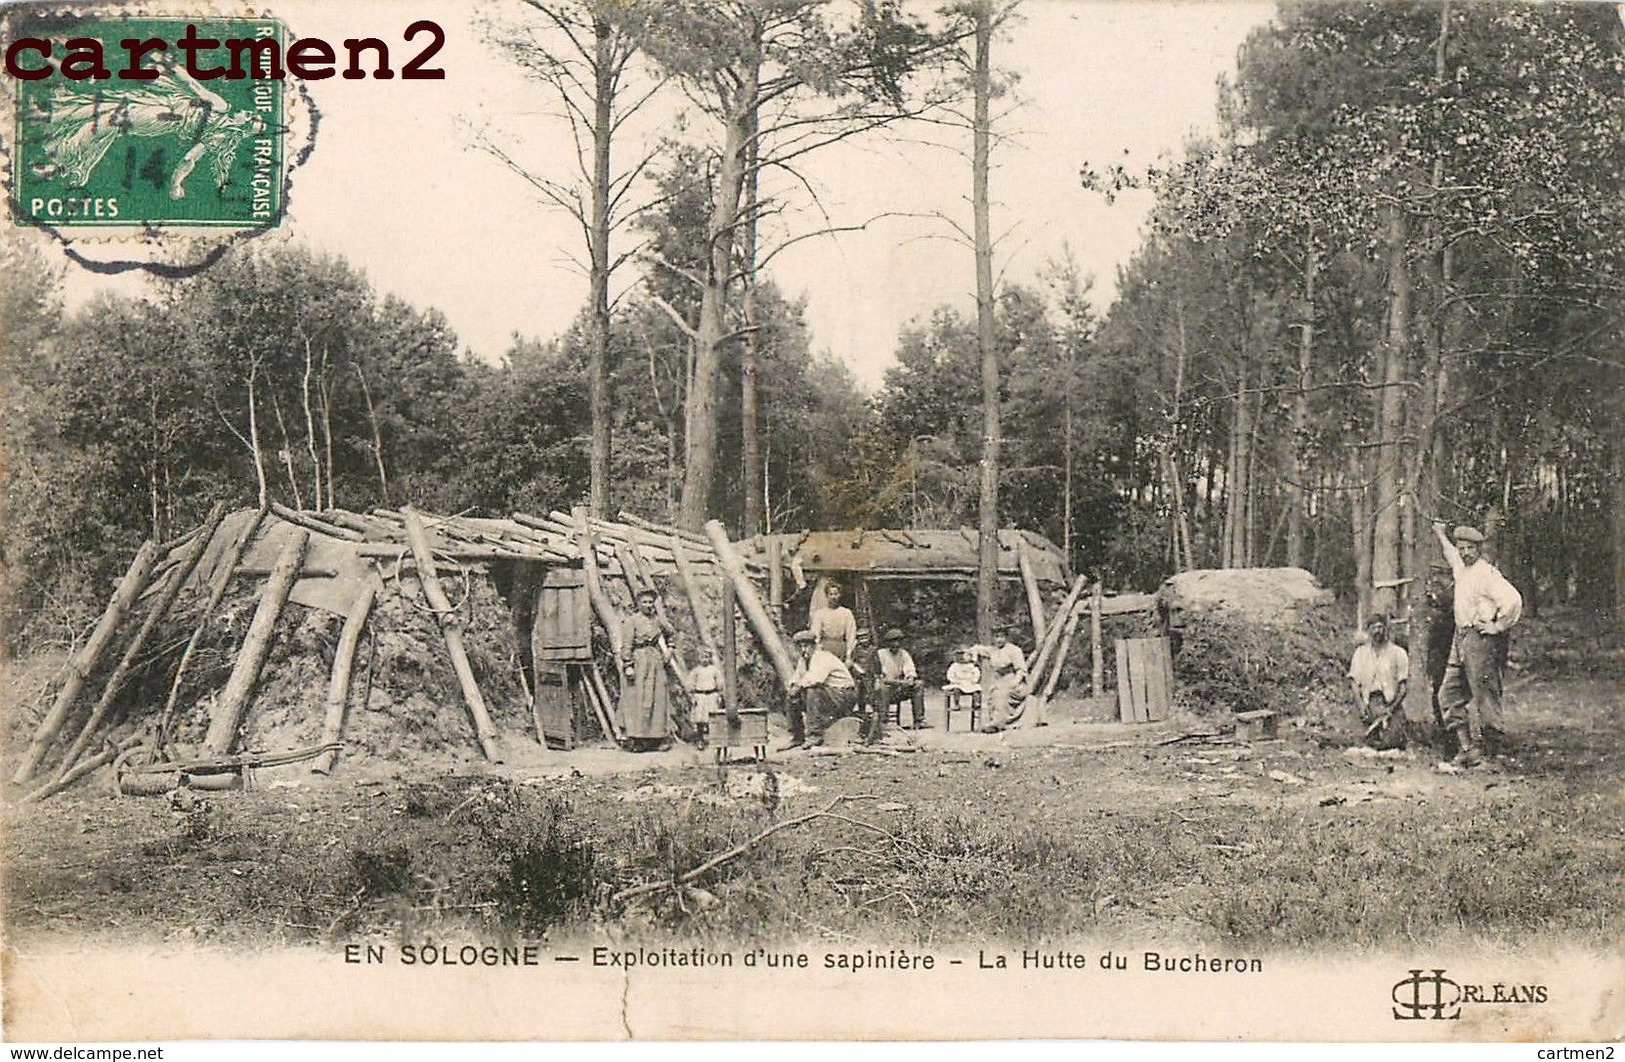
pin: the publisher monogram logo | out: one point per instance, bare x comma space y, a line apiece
1426, 995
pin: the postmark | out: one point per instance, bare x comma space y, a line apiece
150, 143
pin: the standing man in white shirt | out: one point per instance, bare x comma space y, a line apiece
825, 689
1486, 608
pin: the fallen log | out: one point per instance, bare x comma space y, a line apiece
311, 523
215, 597
155, 616
84, 660
750, 602
691, 537
85, 767
451, 631
229, 710
338, 683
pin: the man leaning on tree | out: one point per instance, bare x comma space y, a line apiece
1486, 608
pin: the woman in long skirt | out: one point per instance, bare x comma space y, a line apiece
645, 694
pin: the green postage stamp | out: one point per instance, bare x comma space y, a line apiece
112, 133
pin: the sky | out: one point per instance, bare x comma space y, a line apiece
398, 184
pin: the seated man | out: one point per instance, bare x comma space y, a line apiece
823, 691
964, 684
899, 680
1378, 674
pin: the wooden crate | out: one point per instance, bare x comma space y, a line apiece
1145, 679
749, 730
1259, 725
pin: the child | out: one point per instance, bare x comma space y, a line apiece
706, 683
964, 682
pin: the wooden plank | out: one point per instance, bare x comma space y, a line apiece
1125, 691
1156, 691
1139, 674
1123, 604
1165, 679
553, 712
84, 661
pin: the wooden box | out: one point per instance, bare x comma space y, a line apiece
1256, 725
749, 729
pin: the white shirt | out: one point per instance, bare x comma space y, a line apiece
897, 664
1008, 658
964, 676
824, 668
835, 623
1380, 669
1484, 598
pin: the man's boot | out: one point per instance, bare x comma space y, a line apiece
1469, 755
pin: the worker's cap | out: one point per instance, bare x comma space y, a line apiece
647, 594
804, 638
1377, 617
892, 635
1467, 534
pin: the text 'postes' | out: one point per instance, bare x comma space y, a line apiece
263, 58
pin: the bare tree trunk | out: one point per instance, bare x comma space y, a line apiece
750, 441
699, 469
377, 439
987, 569
1390, 423
286, 451
1296, 494
325, 392
310, 423
598, 268
254, 432
1360, 525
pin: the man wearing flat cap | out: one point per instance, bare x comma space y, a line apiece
1486, 608
823, 691
899, 679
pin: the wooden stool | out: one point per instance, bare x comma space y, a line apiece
951, 704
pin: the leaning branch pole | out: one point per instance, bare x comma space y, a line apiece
84, 661
233, 704
155, 616
750, 602
338, 683
218, 594
451, 630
